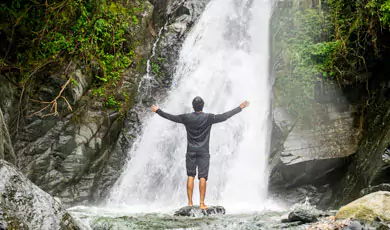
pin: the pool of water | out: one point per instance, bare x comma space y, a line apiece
123, 218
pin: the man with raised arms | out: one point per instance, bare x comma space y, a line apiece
198, 125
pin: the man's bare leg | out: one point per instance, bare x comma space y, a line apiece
202, 191
190, 189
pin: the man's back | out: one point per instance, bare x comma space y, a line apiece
198, 126
198, 131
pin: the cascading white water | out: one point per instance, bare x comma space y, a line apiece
225, 61
146, 79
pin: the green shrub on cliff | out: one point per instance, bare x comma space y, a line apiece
302, 51
338, 41
39, 36
358, 27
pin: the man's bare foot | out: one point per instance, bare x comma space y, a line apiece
203, 206
190, 204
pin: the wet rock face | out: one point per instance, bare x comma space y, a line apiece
8, 99
330, 135
25, 206
66, 160
183, 15
311, 152
319, 196
376, 188
6, 149
195, 211
315, 150
369, 166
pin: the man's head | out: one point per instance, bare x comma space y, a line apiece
198, 104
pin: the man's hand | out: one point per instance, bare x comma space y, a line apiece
244, 104
155, 108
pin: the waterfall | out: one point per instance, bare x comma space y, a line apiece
225, 61
145, 83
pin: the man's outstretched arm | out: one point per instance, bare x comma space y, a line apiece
224, 116
174, 118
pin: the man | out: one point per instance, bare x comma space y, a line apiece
198, 126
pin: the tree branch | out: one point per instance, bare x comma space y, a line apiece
53, 104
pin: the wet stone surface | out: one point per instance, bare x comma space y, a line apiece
195, 211
304, 217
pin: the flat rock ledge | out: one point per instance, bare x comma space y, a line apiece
195, 211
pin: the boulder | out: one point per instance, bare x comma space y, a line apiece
302, 213
372, 207
25, 206
313, 149
305, 217
195, 211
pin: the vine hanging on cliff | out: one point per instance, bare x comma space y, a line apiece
53, 104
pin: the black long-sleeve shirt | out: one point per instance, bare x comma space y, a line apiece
198, 126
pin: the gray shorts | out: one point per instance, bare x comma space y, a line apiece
200, 160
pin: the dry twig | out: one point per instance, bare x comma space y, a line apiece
53, 105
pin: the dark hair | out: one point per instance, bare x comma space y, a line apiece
197, 104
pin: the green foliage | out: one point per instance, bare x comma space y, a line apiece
323, 53
92, 33
74, 82
385, 13
112, 103
303, 54
135, 20
155, 68
98, 92
343, 42
356, 26
125, 96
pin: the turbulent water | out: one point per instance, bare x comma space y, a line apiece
225, 61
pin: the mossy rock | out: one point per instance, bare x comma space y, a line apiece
369, 208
